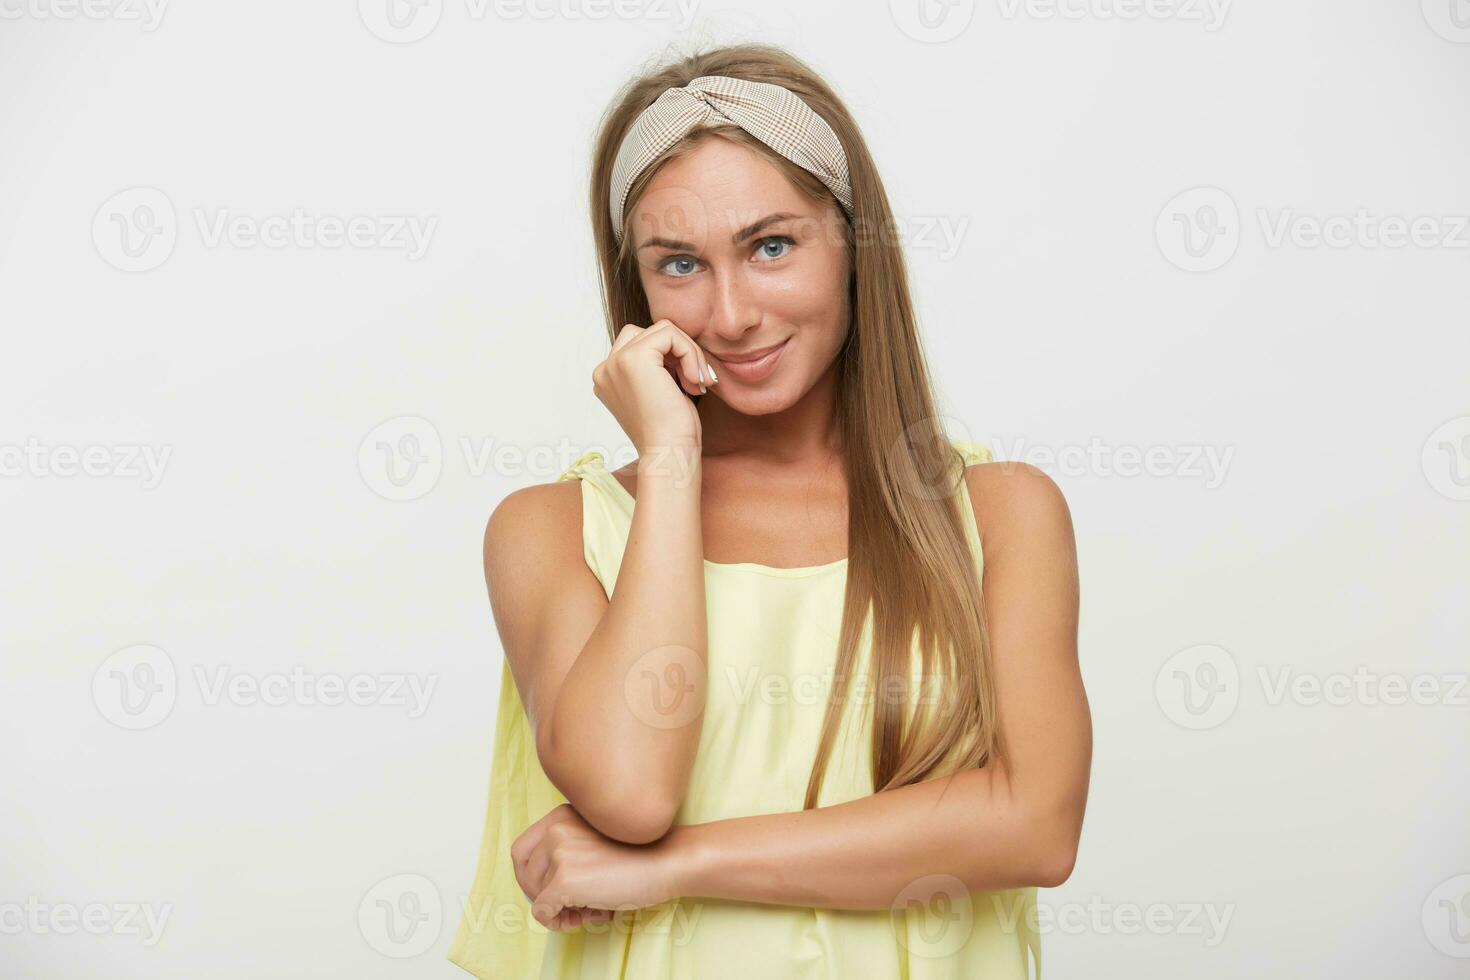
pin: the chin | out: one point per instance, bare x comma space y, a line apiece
766, 399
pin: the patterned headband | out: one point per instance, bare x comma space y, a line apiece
772, 114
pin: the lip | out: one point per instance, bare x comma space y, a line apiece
754, 365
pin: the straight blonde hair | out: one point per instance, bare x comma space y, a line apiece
910, 566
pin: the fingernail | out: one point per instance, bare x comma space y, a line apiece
713, 377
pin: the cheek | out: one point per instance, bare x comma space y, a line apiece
810, 295
685, 307
816, 303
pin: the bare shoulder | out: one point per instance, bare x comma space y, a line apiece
535, 527
1019, 506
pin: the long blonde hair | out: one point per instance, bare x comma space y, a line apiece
909, 558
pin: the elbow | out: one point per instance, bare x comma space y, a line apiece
637, 819
1054, 865
1054, 854
619, 806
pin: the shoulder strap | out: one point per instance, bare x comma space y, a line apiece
607, 516
607, 509
974, 452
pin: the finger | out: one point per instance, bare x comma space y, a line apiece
675, 343
525, 847
519, 856
529, 875
522, 881
530, 838
548, 905
627, 334
532, 862
683, 358
537, 866
702, 370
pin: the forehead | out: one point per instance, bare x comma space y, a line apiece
716, 188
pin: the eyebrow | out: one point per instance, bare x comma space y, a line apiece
735, 239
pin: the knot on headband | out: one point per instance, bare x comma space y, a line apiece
771, 113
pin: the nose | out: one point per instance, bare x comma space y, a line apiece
734, 308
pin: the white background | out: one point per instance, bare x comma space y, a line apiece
1065, 315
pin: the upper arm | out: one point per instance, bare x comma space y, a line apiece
1031, 595
545, 600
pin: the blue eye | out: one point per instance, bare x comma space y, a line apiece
776, 240
677, 258
784, 242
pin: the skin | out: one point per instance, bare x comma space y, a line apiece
771, 443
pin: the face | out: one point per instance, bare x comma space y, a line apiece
714, 261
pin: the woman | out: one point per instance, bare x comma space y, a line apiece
798, 739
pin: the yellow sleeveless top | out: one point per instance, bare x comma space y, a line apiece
772, 642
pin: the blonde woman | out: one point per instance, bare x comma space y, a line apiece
796, 693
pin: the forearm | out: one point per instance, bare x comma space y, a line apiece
626, 723
862, 854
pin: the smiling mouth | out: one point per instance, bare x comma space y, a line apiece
756, 365
750, 357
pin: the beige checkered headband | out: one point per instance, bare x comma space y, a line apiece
771, 113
